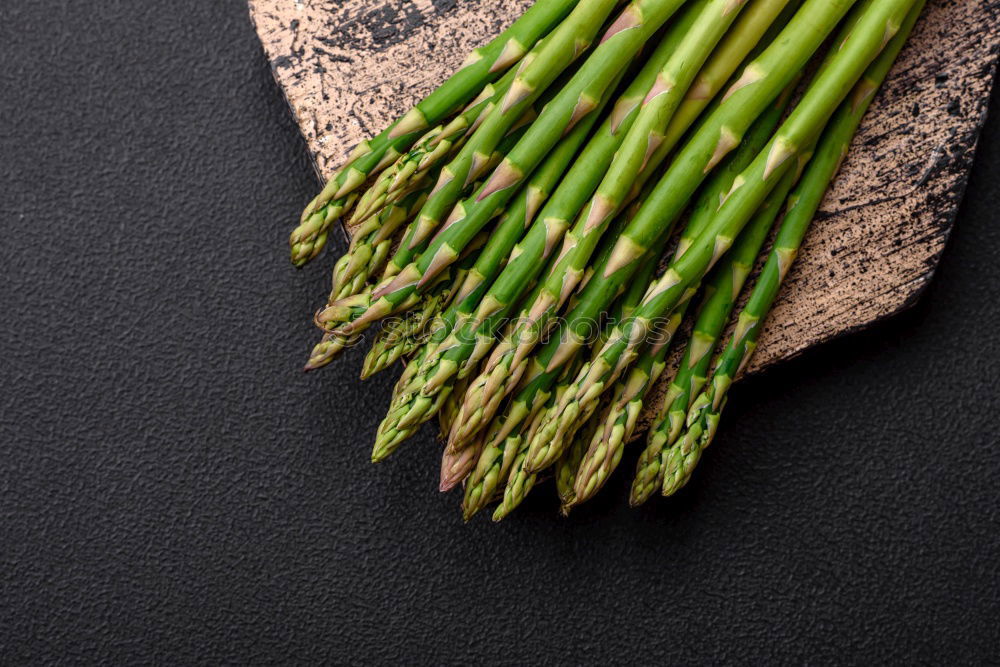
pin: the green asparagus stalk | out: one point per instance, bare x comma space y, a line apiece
362, 260
474, 339
521, 480
880, 18
643, 147
413, 403
470, 325
569, 465
503, 454
536, 74
466, 331
720, 293
530, 254
508, 468
629, 302
577, 99
703, 418
455, 466
482, 66
761, 82
622, 411
449, 410
436, 147
371, 243
516, 220
333, 343
618, 422
401, 336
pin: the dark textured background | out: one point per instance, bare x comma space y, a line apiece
173, 488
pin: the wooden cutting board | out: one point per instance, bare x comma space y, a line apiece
349, 67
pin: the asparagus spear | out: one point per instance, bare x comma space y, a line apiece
568, 466
643, 147
400, 336
482, 66
371, 243
720, 293
576, 100
760, 17
618, 421
516, 220
446, 417
761, 82
474, 338
505, 449
440, 144
362, 260
457, 466
467, 330
879, 19
414, 171
703, 418
537, 72
509, 468
500, 446
357, 288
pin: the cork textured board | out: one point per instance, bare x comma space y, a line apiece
349, 67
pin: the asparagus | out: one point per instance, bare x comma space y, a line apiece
455, 466
642, 150
467, 330
758, 22
569, 464
447, 414
518, 217
440, 144
575, 100
761, 16
629, 302
879, 19
414, 402
505, 449
499, 445
618, 422
554, 220
703, 418
709, 200
507, 466
482, 66
623, 410
371, 243
761, 82
400, 336
365, 263
538, 71
721, 293
357, 289
414, 171
621, 413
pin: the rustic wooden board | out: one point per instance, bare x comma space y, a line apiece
348, 67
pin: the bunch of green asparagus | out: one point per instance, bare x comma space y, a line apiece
514, 233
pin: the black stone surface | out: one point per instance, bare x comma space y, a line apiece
173, 490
